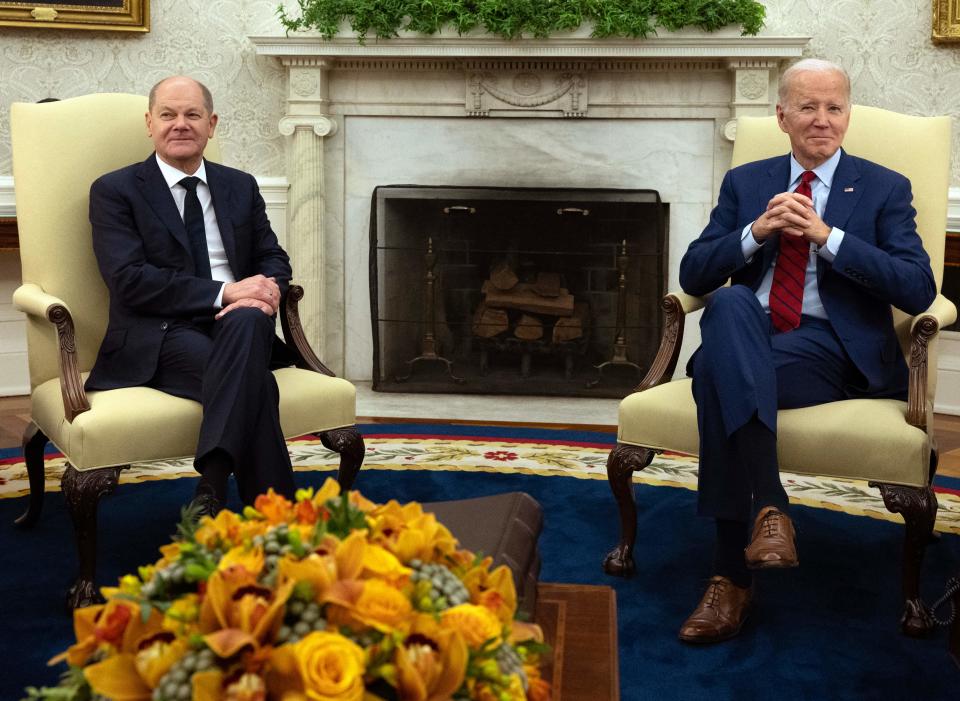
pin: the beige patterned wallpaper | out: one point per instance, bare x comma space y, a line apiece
885, 44
206, 39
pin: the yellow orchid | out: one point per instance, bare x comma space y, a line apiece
116, 625
234, 600
117, 678
156, 658
495, 590
250, 557
410, 533
380, 562
431, 662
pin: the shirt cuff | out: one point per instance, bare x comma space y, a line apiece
748, 244
218, 302
829, 250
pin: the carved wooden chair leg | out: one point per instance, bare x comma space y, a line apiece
918, 506
622, 462
349, 444
34, 441
82, 491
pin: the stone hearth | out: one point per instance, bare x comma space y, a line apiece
568, 112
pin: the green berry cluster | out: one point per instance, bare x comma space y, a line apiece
175, 685
436, 588
509, 662
301, 619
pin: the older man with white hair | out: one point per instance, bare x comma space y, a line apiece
817, 245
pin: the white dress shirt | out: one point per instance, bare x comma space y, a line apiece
820, 189
219, 266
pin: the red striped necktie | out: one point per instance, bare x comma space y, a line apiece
786, 292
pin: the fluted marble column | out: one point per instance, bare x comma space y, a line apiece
308, 125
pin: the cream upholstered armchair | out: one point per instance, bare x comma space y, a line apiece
59, 149
888, 442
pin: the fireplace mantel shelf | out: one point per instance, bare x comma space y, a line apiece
674, 46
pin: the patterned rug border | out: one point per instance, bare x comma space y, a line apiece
438, 452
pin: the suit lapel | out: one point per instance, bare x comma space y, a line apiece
220, 193
156, 192
844, 192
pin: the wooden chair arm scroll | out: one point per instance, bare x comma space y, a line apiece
293, 332
32, 300
924, 328
675, 305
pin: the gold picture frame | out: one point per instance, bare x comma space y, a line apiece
104, 15
946, 21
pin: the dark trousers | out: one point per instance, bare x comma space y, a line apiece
225, 365
744, 371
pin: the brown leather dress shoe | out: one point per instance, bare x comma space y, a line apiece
773, 543
720, 615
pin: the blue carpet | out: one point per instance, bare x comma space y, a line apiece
827, 630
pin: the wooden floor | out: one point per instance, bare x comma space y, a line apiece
15, 415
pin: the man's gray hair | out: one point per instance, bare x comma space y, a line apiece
808, 65
207, 95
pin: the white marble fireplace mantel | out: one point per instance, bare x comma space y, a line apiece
570, 111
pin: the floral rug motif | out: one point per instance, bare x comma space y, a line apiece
516, 455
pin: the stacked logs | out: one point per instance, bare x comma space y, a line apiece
528, 310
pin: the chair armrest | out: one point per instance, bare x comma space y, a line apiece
32, 300
923, 329
293, 332
675, 305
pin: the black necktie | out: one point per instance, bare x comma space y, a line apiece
193, 221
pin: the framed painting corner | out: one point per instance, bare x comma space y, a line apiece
946, 21
100, 15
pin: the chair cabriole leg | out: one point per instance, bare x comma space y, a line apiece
918, 506
348, 443
34, 441
83, 491
622, 462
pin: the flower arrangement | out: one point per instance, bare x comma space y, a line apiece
327, 598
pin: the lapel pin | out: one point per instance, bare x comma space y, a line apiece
848, 189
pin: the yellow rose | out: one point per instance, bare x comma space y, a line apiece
477, 624
371, 602
331, 667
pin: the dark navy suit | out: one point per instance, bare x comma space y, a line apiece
742, 368
161, 329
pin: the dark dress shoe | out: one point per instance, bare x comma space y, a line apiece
773, 543
720, 615
204, 504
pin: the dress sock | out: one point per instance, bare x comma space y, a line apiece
728, 560
756, 445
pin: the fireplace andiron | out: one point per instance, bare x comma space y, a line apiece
620, 335
428, 343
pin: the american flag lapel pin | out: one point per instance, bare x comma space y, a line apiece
848, 189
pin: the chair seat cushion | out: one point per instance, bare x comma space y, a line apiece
866, 439
138, 424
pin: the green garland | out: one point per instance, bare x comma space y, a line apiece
514, 18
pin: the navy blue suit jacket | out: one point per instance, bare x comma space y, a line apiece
144, 256
881, 261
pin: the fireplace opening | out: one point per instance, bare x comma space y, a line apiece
515, 291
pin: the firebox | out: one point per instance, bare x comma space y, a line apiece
515, 290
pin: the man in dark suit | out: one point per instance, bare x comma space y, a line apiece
818, 244
195, 275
